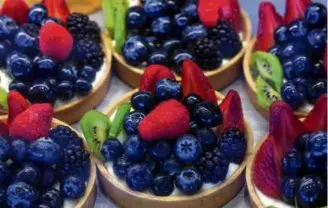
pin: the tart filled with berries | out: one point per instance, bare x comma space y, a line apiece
43, 162
288, 58
289, 166
171, 143
211, 33
53, 56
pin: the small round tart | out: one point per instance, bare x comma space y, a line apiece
219, 77
209, 196
89, 197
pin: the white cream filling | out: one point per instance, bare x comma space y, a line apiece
269, 201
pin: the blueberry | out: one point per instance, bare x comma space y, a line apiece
190, 101
53, 20
318, 69
170, 45
26, 39
4, 171
302, 85
290, 49
301, 141
136, 18
289, 188
180, 22
317, 39
152, 43
193, 127
19, 86
45, 67
288, 69
135, 50
64, 136
171, 166
121, 166
161, 26
112, 149
292, 163
52, 83
166, 89
162, 185
322, 186
48, 178
292, 95
208, 114
29, 174
44, 151
155, 8
4, 51
308, 193
194, 32
37, 14
20, 66
275, 50
312, 164
316, 15
134, 148
142, 101
67, 73
189, 181
207, 138
52, 198
88, 73
281, 34
72, 187
173, 7
160, 150
188, 148
178, 57
151, 164
83, 87
317, 144
21, 195
8, 27
158, 57
66, 90
5, 150
131, 122
317, 88
3, 197
298, 29
138, 177
41, 92
190, 9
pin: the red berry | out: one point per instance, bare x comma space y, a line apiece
16, 105
16, 9
153, 74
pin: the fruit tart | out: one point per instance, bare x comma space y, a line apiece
286, 61
289, 166
44, 163
212, 33
53, 56
171, 143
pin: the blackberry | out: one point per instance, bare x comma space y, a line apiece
213, 166
87, 52
82, 28
228, 40
232, 144
64, 136
207, 53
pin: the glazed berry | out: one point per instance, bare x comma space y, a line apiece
44, 151
136, 18
131, 122
18, 149
88, 52
292, 163
64, 136
112, 149
45, 67
48, 178
301, 141
155, 8
281, 34
308, 193
67, 73
275, 50
233, 145
166, 89
178, 57
318, 69
208, 114
190, 101
317, 39
171, 166
322, 201
292, 95
19, 86
150, 164
170, 45
317, 88
160, 150
312, 164
289, 188
53, 20
3, 197
121, 166
161, 26
134, 148
189, 181
302, 66
317, 144
40, 92
27, 39
5, 149
52, 198
298, 29
291, 49
193, 127
37, 14
162, 185
29, 174
316, 15
8, 27
88, 73
72, 187
21, 195
4, 50
135, 50
20, 66
180, 22
213, 166
173, 7
302, 85
190, 9
138, 178
4, 171
207, 138
194, 32
65, 90
158, 57
142, 101
152, 43
288, 69
188, 148
82, 86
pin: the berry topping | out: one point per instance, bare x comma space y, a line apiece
121, 166
18, 10
166, 89
316, 119
112, 149
131, 122
138, 177
160, 150
142, 101
72, 187
208, 114
16, 105
134, 148
188, 148
189, 181
295, 9
289, 189
162, 185
21, 194
292, 163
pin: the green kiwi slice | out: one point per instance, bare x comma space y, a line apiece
265, 94
108, 7
117, 123
3, 99
95, 127
120, 27
268, 66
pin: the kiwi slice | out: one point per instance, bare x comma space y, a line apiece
117, 123
269, 67
265, 94
95, 127
120, 27
3, 99
108, 7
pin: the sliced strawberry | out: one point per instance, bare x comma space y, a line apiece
230, 12
317, 118
62, 9
232, 111
285, 127
208, 12
16, 105
266, 172
325, 60
16, 9
269, 20
295, 9
50, 5
193, 80
153, 74
4, 128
